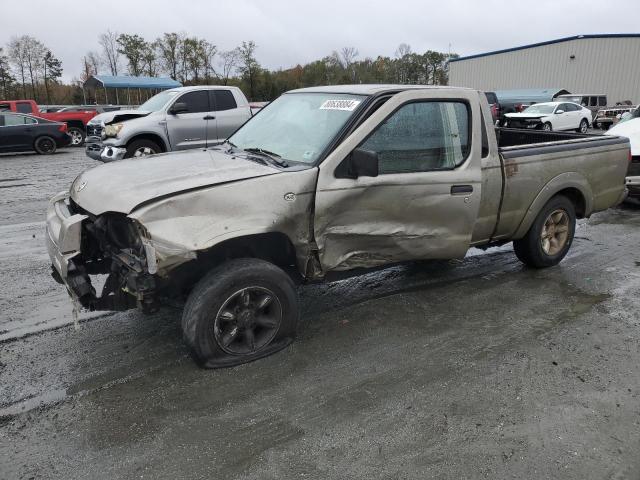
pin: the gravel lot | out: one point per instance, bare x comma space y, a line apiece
464, 369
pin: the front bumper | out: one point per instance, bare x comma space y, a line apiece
63, 234
105, 153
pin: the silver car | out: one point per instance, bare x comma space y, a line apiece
176, 119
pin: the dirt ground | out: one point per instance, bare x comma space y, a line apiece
477, 368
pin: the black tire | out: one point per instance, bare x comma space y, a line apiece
547, 127
214, 311
584, 126
530, 249
45, 145
77, 136
142, 148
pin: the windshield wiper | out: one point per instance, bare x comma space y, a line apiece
274, 157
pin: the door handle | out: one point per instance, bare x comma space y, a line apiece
461, 189
209, 117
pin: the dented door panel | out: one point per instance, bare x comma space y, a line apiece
372, 221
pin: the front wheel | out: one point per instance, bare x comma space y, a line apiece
584, 126
550, 236
243, 310
547, 127
141, 148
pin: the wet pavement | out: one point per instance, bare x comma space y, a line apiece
477, 368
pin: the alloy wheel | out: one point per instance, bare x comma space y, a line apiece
555, 232
247, 321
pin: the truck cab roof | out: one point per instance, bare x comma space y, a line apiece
368, 89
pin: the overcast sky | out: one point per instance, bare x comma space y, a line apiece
289, 32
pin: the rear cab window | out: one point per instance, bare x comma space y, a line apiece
222, 100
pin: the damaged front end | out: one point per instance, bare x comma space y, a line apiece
82, 245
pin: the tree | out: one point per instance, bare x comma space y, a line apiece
249, 66
134, 48
169, 47
52, 70
110, 53
96, 62
6, 79
229, 61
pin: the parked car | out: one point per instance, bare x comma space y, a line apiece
631, 130
177, 119
591, 101
23, 133
551, 116
494, 106
324, 181
516, 101
607, 117
76, 121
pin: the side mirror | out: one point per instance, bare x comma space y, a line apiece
558, 112
362, 163
178, 107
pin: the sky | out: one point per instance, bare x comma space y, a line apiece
289, 32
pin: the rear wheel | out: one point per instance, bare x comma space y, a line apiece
243, 310
550, 236
44, 145
77, 136
584, 126
547, 127
142, 148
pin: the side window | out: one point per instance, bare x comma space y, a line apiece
1, 120
584, 101
223, 100
30, 121
422, 136
602, 101
5, 107
14, 120
593, 101
196, 101
23, 107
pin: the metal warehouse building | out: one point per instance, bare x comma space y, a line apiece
608, 64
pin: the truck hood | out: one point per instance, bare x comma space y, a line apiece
118, 116
121, 186
526, 115
629, 129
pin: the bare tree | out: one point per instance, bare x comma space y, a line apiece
249, 66
348, 56
169, 47
18, 62
96, 62
229, 61
110, 54
402, 50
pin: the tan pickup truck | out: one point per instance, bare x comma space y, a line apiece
322, 180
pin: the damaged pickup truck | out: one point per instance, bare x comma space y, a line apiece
324, 180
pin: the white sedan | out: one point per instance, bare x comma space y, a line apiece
631, 130
551, 116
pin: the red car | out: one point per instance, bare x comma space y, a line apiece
76, 121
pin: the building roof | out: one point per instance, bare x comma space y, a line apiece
526, 95
110, 81
549, 42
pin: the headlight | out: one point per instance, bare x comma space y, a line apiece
113, 130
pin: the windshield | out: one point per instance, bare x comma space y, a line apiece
575, 98
297, 126
540, 108
158, 101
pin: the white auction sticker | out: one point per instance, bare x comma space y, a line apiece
346, 105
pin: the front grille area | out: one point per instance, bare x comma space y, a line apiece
94, 130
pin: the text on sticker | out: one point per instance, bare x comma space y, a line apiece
347, 105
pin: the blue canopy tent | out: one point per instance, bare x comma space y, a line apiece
152, 84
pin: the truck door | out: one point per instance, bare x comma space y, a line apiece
189, 129
228, 116
16, 131
424, 202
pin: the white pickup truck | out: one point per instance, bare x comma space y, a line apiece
323, 180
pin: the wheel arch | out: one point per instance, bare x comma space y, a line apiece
571, 184
76, 124
273, 246
153, 137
